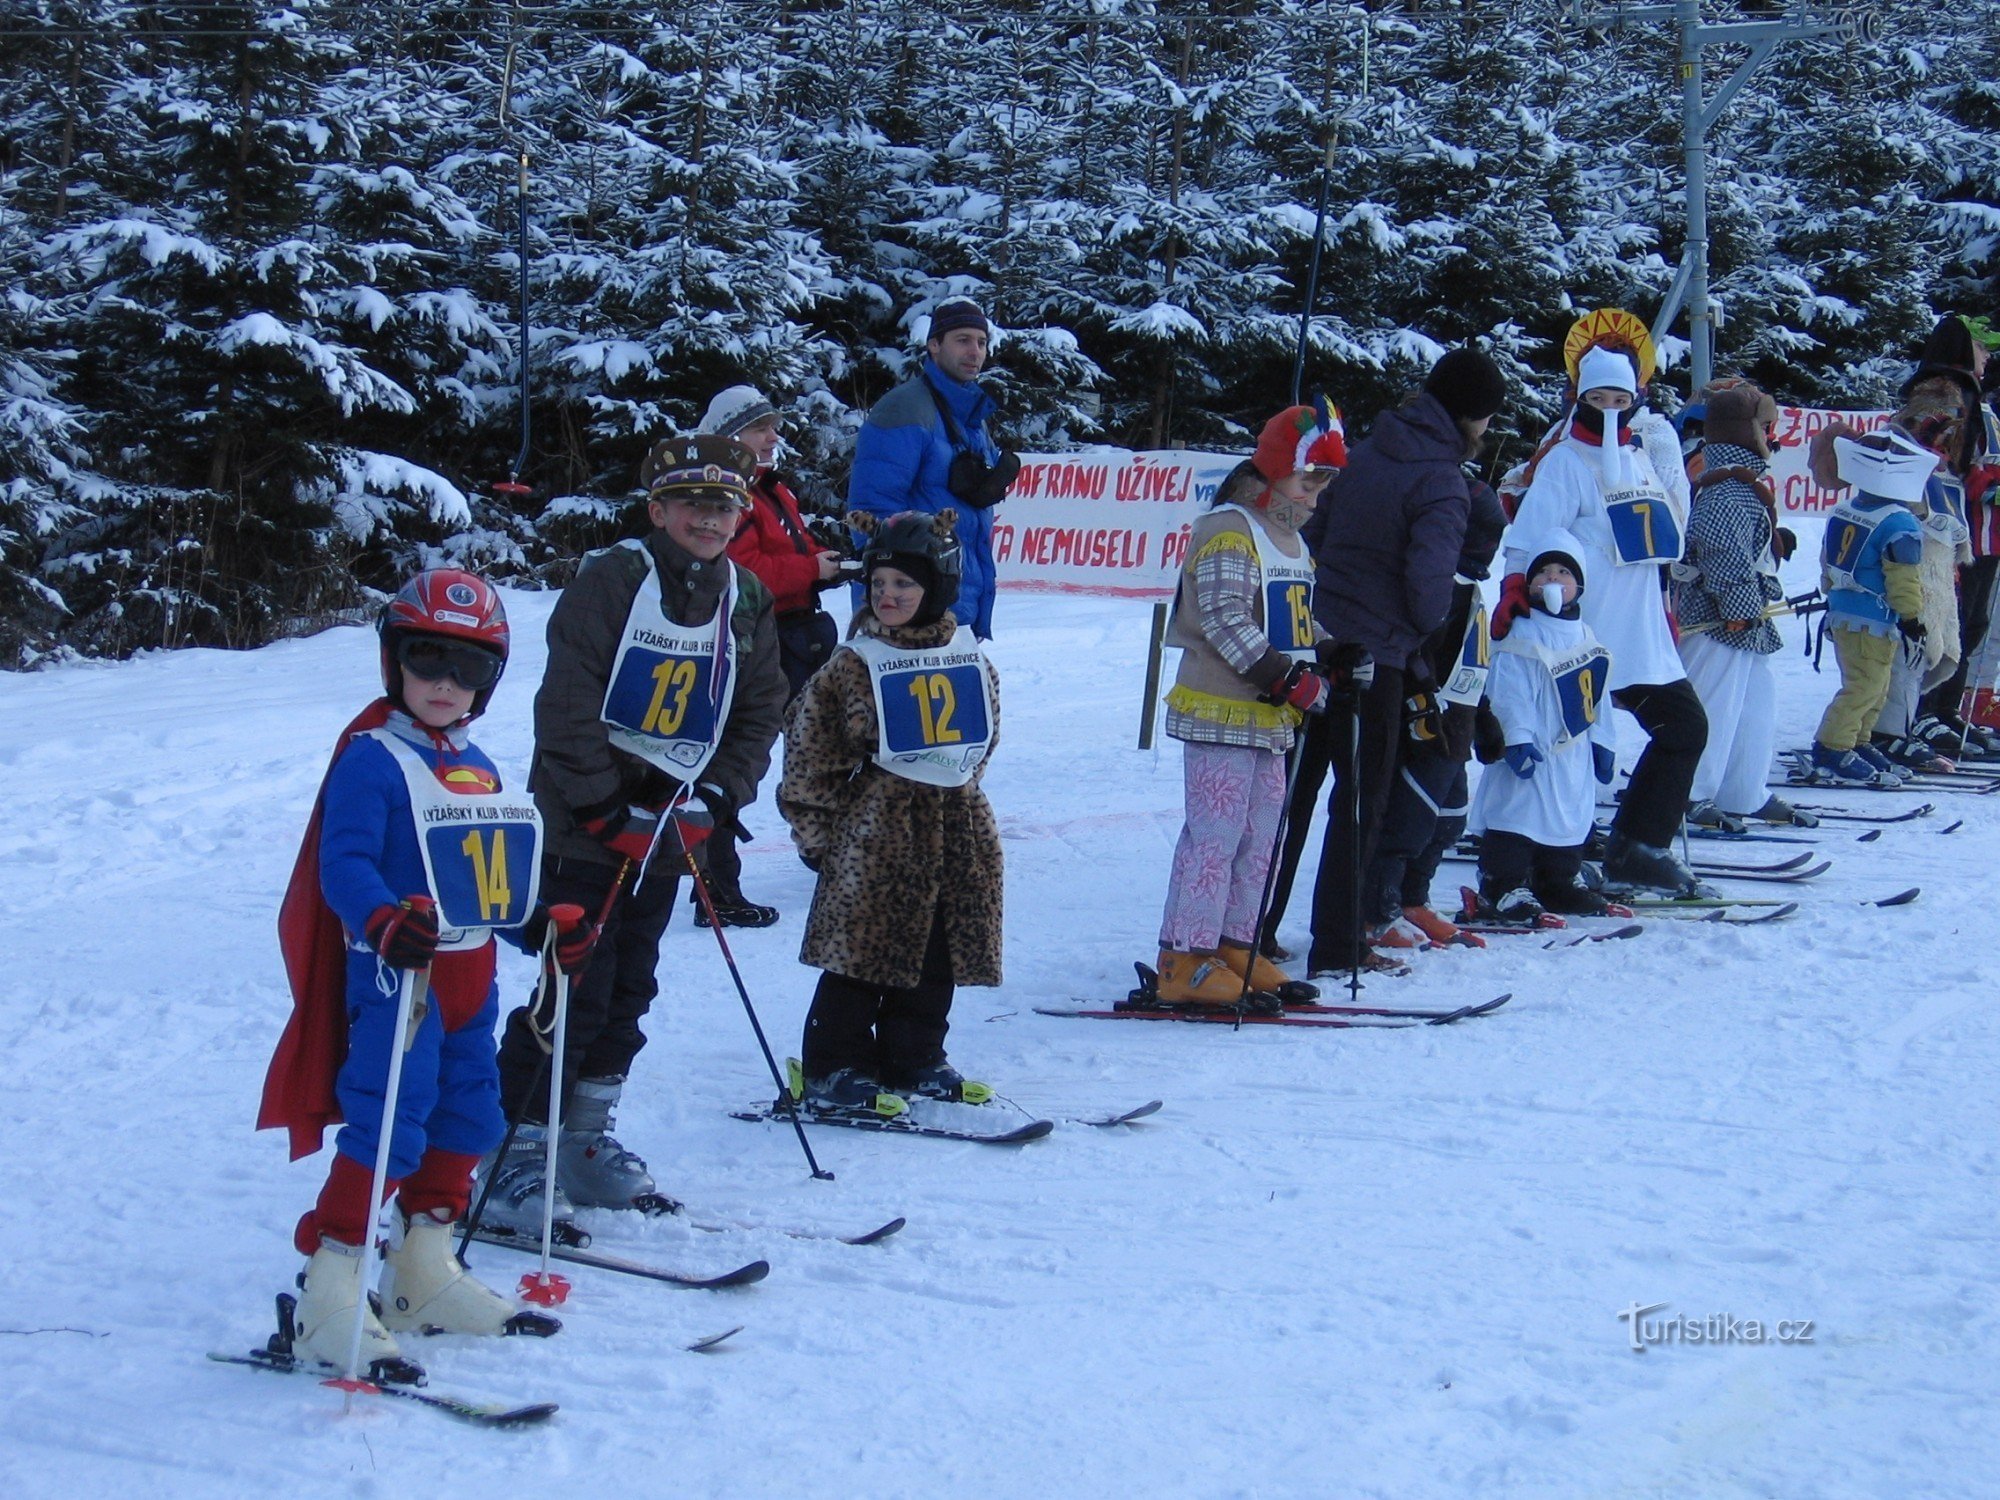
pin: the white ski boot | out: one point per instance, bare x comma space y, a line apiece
425, 1288
324, 1322
593, 1169
515, 1204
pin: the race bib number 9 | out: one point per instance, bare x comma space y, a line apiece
664, 697
483, 872
1643, 527
1288, 618
933, 709
1581, 692
1844, 541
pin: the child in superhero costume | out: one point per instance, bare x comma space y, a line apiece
413, 858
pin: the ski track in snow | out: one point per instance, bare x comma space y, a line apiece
1358, 1263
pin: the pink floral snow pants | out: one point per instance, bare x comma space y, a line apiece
1234, 796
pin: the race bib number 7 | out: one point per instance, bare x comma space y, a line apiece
1644, 528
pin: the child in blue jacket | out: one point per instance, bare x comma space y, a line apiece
413, 858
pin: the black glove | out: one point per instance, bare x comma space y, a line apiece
1348, 666
576, 936
1489, 740
407, 935
1423, 724
721, 809
1912, 628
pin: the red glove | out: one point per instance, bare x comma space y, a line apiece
629, 830
1513, 605
1980, 482
1302, 689
406, 936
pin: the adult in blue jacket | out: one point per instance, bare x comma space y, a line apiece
903, 458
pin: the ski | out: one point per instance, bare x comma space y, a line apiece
1642, 903
1767, 876
1616, 934
702, 1346
1951, 827
1726, 916
1150, 1107
1696, 831
873, 1236
1461, 1013
1792, 862
1033, 1130
1842, 815
1221, 1017
478, 1413
277, 1356
1901, 898
744, 1275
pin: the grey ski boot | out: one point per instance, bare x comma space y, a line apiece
592, 1167
515, 1204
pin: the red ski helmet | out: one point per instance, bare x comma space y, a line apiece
448, 602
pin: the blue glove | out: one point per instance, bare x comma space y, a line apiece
1522, 760
1605, 760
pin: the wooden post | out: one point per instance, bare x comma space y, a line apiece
1155, 649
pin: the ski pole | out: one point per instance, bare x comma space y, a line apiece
1354, 831
415, 983
547, 1289
771, 1062
472, 1220
1292, 759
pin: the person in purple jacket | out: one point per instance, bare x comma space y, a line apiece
1386, 561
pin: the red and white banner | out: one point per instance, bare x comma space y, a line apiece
1112, 522
1797, 427
1104, 521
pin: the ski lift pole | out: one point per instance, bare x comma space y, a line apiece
512, 487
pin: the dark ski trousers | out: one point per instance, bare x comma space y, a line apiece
881, 1032
1677, 731
722, 865
607, 1000
1424, 817
1354, 816
1512, 862
1975, 617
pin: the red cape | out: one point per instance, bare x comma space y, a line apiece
298, 1088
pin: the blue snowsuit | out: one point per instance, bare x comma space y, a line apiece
902, 461
368, 857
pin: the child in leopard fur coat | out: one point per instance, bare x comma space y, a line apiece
884, 750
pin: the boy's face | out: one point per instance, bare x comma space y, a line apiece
761, 438
702, 527
1556, 573
894, 595
961, 354
435, 705
1608, 398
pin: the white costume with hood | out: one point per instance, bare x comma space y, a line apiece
1557, 804
1624, 604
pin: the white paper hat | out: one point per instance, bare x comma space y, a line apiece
1898, 472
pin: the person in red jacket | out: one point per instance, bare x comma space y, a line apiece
774, 544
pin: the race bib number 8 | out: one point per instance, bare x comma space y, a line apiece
482, 872
1288, 616
1581, 691
663, 697
924, 710
1643, 527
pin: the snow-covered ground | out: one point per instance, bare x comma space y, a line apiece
1338, 1263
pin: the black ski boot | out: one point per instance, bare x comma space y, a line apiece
1647, 867
731, 909
1575, 899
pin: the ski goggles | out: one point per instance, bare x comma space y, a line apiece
431, 659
